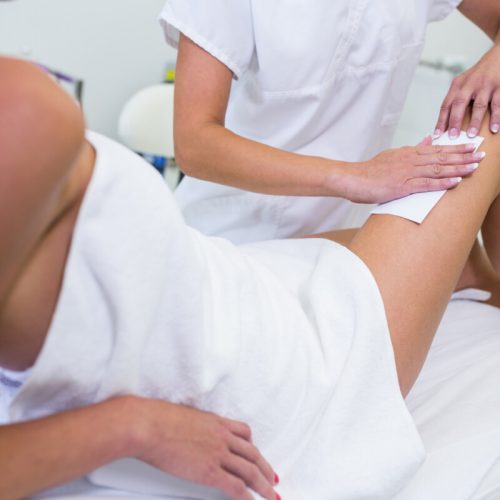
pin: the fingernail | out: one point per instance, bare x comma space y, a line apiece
471, 167
276, 478
479, 156
278, 496
456, 180
472, 132
453, 133
470, 147
495, 128
437, 133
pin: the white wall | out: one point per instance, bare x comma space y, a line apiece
116, 46
454, 40
455, 37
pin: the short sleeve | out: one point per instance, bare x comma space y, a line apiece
223, 28
439, 9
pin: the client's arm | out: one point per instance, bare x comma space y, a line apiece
188, 443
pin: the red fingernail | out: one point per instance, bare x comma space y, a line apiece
276, 478
278, 497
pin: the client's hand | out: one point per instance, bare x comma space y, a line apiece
399, 172
201, 447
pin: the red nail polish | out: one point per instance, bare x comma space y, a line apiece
278, 497
276, 478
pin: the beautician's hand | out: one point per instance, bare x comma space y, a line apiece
204, 448
399, 172
479, 86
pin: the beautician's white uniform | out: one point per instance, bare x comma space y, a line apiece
325, 78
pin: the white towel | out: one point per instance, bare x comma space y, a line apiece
289, 336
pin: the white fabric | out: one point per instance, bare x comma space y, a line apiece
441, 8
289, 336
456, 406
324, 78
416, 207
10, 384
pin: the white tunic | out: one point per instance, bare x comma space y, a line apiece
289, 336
322, 77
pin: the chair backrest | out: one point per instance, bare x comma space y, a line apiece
146, 121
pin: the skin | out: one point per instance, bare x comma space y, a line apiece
479, 85
192, 444
42, 183
491, 231
207, 150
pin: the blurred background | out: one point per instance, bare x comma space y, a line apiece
116, 48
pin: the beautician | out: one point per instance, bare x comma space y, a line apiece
284, 109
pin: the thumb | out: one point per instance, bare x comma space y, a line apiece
427, 141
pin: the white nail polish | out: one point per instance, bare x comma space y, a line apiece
437, 134
479, 156
472, 132
472, 167
456, 180
495, 128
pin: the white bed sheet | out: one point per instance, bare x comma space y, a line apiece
456, 405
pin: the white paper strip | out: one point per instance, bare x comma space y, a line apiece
417, 207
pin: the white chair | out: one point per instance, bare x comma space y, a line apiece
146, 125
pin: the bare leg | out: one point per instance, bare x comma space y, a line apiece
491, 235
477, 273
417, 267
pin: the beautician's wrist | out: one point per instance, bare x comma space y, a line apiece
338, 179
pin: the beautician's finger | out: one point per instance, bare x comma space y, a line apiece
435, 150
479, 109
251, 476
444, 112
442, 171
458, 109
495, 112
427, 141
444, 158
424, 184
250, 453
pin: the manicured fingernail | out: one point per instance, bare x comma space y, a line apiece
470, 147
278, 496
495, 128
276, 478
437, 133
479, 155
472, 132
472, 167
456, 180
453, 133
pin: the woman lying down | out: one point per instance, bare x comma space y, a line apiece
122, 330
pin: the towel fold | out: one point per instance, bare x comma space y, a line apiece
289, 336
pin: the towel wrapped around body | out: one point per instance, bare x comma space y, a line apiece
288, 336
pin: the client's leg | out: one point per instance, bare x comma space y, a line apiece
418, 266
491, 235
477, 273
